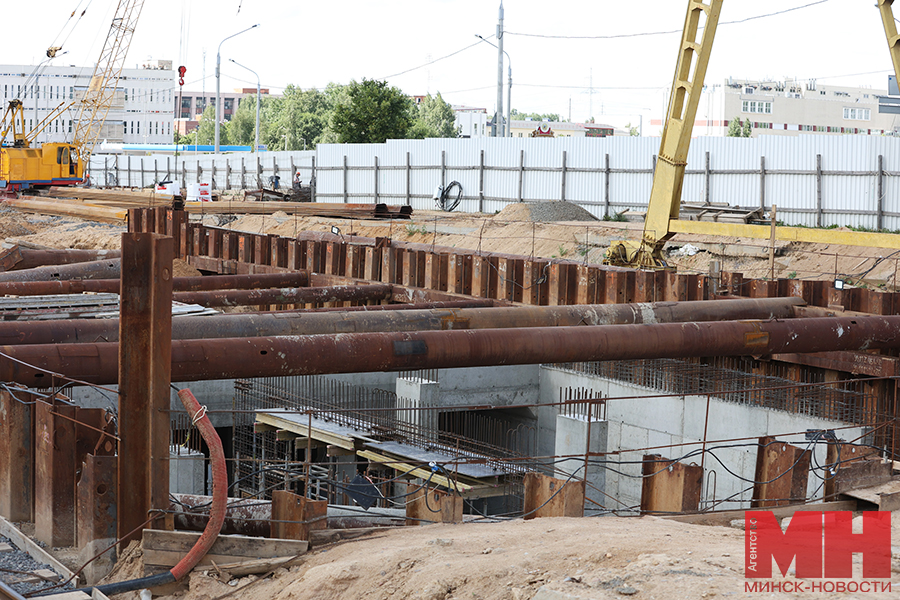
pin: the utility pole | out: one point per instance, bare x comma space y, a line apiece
498, 127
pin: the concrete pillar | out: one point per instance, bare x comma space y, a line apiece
186, 471
419, 395
572, 439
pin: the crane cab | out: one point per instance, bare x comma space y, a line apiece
49, 164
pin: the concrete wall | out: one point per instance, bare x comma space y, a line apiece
637, 423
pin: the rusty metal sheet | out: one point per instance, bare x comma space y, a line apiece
16, 455
782, 472
96, 492
54, 481
669, 486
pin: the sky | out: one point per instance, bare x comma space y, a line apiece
614, 78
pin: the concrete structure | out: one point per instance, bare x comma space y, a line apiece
187, 471
141, 111
791, 107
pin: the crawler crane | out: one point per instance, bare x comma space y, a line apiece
25, 164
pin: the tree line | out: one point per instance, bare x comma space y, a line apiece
369, 111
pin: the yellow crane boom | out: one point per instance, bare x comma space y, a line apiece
661, 221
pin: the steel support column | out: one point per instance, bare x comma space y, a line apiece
144, 376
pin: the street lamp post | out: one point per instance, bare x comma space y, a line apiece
256, 145
218, 73
509, 91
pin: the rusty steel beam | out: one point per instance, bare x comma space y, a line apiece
287, 323
179, 284
144, 377
98, 269
289, 295
228, 358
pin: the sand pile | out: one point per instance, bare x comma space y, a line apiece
544, 212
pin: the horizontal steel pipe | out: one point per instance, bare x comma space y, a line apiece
288, 295
228, 358
197, 283
97, 269
39, 258
292, 323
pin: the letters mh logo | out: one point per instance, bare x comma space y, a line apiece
822, 543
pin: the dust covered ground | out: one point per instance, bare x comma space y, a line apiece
541, 559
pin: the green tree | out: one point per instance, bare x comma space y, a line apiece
206, 131
374, 113
435, 119
734, 129
514, 114
242, 126
632, 130
746, 131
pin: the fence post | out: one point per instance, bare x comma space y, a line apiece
128, 164
155, 171
227, 173
376, 179
258, 171
563, 191
213, 182
184, 174
521, 175
243, 173
818, 190
345, 179
105, 172
481, 182
606, 186
408, 169
274, 166
762, 183
443, 168
706, 184
117, 170
168, 169
312, 181
880, 188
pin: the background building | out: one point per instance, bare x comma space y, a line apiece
190, 106
141, 111
791, 107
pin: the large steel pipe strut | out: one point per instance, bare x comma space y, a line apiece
98, 269
194, 360
289, 323
198, 283
39, 258
290, 295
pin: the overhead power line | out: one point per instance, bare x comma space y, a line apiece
652, 33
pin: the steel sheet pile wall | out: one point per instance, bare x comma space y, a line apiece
445, 271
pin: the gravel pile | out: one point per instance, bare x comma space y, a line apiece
546, 212
18, 560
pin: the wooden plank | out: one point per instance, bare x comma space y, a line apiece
23, 542
725, 517
254, 567
861, 474
166, 548
302, 430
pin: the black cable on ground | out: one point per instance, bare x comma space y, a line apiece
447, 204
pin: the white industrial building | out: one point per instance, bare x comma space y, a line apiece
792, 107
142, 111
